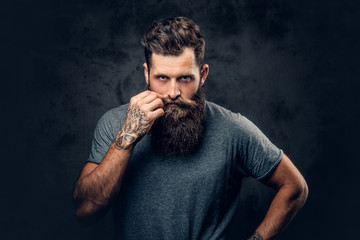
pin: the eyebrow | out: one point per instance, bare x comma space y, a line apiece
157, 75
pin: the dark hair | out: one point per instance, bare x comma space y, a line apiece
170, 36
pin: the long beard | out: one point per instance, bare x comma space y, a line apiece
179, 131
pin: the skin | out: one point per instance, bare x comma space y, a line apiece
170, 76
175, 76
99, 184
292, 192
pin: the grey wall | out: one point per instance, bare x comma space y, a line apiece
290, 66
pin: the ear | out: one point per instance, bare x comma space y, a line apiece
146, 73
204, 73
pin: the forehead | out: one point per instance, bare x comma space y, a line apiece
174, 64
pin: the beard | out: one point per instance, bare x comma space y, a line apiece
180, 130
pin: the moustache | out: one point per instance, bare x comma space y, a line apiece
180, 102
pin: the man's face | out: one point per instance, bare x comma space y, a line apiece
175, 76
179, 131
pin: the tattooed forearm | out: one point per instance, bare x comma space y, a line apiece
256, 236
135, 127
136, 122
124, 141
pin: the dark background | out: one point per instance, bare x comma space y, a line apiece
292, 67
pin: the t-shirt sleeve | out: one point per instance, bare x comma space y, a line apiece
102, 140
258, 156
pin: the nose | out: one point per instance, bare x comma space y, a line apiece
173, 90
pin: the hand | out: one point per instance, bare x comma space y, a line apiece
256, 236
143, 110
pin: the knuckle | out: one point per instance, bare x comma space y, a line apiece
146, 93
134, 100
140, 104
142, 111
161, 112
160, 102
148, 115
158, 112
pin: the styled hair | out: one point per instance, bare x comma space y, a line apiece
170, 36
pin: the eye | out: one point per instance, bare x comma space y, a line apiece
162, 78
185, 78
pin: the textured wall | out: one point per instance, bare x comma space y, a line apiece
289, 66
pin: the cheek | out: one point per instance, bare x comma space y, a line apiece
189, 90
157, 87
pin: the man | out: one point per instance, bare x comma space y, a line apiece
170, 164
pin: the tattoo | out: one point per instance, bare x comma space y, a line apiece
135, 127
256, 236
119, 142
136, 122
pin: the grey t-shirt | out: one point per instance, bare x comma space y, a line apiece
192, 197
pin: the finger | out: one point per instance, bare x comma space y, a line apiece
140, 95
156, 103
162, 96
149, 98
156, 114
158, 94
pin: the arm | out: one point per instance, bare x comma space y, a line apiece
291, 196
99, 184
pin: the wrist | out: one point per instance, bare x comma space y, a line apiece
123, 146
256, 236
125, 141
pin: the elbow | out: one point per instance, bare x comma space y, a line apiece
82, 212
87, 209
301, 193
82, 208
305, 192
84, 218
88, 213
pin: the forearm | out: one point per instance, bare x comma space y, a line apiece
94, 192
283, 208
99, 185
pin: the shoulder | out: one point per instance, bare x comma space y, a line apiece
112, 119
217, 113
215, 109
228, 120
115, 114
